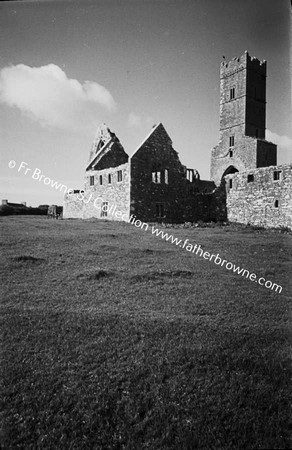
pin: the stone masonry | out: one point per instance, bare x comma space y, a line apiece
242, 143
107, 181
154, 186
261, 196
158, 180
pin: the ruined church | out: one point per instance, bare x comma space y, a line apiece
153, 185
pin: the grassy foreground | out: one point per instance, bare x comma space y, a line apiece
115, 339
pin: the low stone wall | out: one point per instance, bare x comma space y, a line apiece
261, 196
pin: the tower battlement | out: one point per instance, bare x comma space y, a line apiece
242, 62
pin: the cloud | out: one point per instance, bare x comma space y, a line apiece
134, 120
282, 141
48, 96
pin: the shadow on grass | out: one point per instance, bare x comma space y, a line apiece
95, 274
27, 258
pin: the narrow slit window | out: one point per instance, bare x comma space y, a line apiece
159, 210
109, 179
276, 203
231, 141
120, 175
91, 180
156, 177
230, 184
230, 153
100, 179
166, 176
232, 93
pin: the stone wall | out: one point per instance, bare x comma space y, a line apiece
115, 156
208, 206
73, 206
243, 156
116, 193
89, 202
257, 198
266, 153
156, 154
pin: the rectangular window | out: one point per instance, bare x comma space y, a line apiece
166, 176
159, 210
250, 178
156, 177
120, 175
231, 141
104, 209
232, 93
91, 180
109, 179
230, 153
277, 175
230, 184
100, 179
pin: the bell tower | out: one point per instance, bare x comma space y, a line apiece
242, 143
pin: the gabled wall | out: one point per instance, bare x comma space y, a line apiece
157, 154
107, 158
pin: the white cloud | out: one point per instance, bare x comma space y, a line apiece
134, 120
282, 141
47, 95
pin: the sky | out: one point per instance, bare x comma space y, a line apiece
67, 66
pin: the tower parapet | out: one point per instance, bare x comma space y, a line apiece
242, 62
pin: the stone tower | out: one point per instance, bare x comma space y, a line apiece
242, 145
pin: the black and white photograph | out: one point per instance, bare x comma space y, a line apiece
146, 224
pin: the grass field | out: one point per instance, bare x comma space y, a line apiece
115, 339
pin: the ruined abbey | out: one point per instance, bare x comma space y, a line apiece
153, 185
